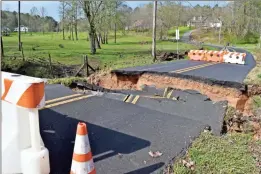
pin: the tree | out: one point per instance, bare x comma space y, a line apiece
71, 13
116, 18
33, 22
91, 9
76, 12
62, 14
154, 31
43, 13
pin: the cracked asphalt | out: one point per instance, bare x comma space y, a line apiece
220, 71
121, 134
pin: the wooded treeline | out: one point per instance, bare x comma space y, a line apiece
37, 20
240, 19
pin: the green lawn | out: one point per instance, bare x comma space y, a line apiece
182, 30
211, 36
128, 51
228, 154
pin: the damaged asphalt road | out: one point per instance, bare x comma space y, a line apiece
121, 134
219, 71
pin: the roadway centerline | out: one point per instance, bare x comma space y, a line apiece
62, 98
194, 67
65, 101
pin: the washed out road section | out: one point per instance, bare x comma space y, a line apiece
121, 135
219, 71
166, 67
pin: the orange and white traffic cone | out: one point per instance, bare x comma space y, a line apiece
82, 162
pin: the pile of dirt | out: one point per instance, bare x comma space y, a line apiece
244, 124
168, 56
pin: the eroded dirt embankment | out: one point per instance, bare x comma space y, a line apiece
235, 93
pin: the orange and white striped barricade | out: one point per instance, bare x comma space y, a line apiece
22, 148
82, 162
235, 58
221, 55
197, 54
215, 56
190, 53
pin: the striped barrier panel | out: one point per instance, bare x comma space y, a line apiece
215, 56
197, 55
23, 150
235, 58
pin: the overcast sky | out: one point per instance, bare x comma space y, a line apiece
52, 7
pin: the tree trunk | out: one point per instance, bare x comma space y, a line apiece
75, 26
92, 31
101, 39
115, 33
154, 32
72, 31
63, 20
63, 33
43, 26
97, 42
31, 31
219, 33
19, 29
106, 38
92, 42
75, 30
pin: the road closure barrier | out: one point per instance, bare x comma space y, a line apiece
82, 162
234, 57
23, 150
215, 56
197, 54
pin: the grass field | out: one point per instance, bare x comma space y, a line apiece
128, 51
211, 36
220, 154
182, 30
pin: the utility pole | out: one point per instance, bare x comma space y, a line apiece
19, 29
2, 47
177, 39
219, 33
154, 32
115, 25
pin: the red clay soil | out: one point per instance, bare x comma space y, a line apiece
235, 97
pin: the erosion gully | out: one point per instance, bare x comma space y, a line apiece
238, 95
